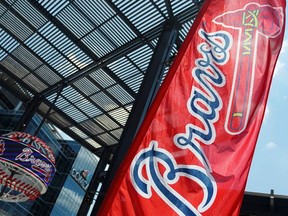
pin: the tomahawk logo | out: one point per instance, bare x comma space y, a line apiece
252, 22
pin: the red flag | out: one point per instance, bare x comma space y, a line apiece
193, 152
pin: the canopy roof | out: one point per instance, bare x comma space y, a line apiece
85, 61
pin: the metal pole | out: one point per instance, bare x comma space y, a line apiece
47, 113
28, 114
272, 202
96, 179
149, 87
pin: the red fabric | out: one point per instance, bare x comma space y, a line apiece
194, 149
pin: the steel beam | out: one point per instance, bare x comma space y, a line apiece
96, 179
27, 115
47, 113
146, 94
73, 122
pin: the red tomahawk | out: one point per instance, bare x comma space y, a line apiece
252, 22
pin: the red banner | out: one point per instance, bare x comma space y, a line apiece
193, 152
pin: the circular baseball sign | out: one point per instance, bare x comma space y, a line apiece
27, 166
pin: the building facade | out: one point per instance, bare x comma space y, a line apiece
74, 166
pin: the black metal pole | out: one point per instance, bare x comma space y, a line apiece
150, 84
28, 114
48, 112
272, 202
96, 179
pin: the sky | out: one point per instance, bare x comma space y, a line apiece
269, 169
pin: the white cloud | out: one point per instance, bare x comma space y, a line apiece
267, 111
271, 145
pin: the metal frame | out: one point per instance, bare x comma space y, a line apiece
142, 39
152, 36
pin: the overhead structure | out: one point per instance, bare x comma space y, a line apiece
82, 63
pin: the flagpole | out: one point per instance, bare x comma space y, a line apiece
149, 88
